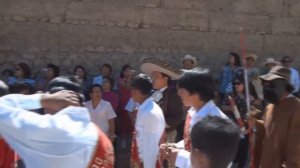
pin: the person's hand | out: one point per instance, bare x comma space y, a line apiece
172, 155
164, 149
60, 99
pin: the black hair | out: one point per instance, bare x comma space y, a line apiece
3, 89
217, 139
286, 57
11, 73
95, 86
111, 81
126, 66
237, 59
66, 83
55, 69
26, 70
200, 82
108, 66
19, 87
82, 68
142, 83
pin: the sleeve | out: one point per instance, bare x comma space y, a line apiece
27, 102
293, 141
150, 145
110, 112
130, 106
183, 159
297, 81
180, 144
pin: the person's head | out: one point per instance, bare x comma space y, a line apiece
270, 63
276, 84
189, 62
106, 70
23, 71
80, 72
234, 59
52, 71
160, 80
250, 60
238, 85
7, 73
108, 84
64, 83
3, 89
214, 142
196, 87
141, 87
95, 92
286, 61
21, 88
126, 71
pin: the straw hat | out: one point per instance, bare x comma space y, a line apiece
151, 64
277, 72
271, 61
253, 56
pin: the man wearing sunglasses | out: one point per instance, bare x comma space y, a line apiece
295, 81
281, 144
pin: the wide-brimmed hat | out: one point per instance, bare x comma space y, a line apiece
277, 72
189, 57
151, 64
271, 61
253, 56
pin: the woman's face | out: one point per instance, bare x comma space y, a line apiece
80, 73
105, 71
128, 72
106, 85
50, 73
19, 72
96, 93
231, 60
238, 86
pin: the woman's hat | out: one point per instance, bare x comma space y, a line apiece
151, 64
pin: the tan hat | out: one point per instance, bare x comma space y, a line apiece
277, 72
271, 61
253, 56
151, 64
189, 57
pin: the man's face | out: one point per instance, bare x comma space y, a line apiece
286, 62
158, 80
186, 98
270, 65
274, 90
188, 64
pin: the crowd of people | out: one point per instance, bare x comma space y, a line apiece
248, 116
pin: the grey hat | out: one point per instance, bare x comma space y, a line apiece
277, 72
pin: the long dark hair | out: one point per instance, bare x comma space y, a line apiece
126, 66
82, 68
237, 59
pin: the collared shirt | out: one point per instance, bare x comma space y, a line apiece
64, 140
150, 124
295, 81
101, 114
131, 105
209, 109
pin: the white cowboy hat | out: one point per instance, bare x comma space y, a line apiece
271, 61
253, 56
151, 64
189, 57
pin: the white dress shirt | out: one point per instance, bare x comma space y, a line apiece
101, 114
209, 109
150, 124
295, 81
64, 140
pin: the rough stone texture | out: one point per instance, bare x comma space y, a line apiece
93, 32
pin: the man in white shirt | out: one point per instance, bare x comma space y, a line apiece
101, 111
295, 81
197, 90
63, 138
149, 125
214, 142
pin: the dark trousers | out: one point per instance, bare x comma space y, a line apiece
242, 153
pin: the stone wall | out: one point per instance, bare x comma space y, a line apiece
92, 32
